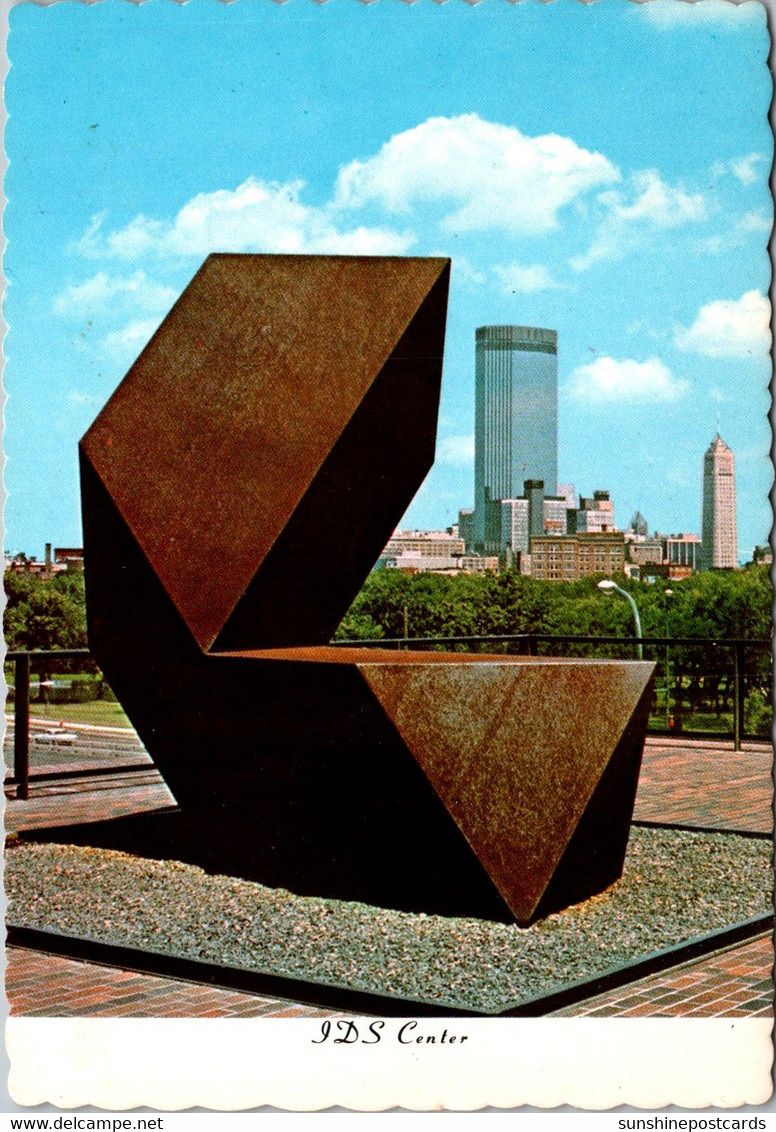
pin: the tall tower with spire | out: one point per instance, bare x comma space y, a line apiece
719, 548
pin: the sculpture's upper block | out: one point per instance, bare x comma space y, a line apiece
268, 439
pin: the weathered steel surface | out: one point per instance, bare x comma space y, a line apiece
516, 749
270, 436
498, 787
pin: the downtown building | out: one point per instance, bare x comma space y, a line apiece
719, 537
432, 552
516, 422
651, 558
425, 544
568, 558
670, 557
553, 539
595, 515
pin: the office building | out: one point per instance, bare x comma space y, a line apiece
672, 557
567, 558
516, 419
411, 562
534, 493
71, 557
516, 523
638, 525
566, 491
466, 527
594, 515
719, 539
64, 559
515, 526
432, 552
528, 515
426, 544
555, 512
681, 554
647, 552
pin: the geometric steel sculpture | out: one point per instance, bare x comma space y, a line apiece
236, 490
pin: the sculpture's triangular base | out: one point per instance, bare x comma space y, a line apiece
521, 754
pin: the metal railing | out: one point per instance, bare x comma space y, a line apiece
723, 663
21, 728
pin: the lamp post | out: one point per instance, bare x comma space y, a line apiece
668, 594
607, 586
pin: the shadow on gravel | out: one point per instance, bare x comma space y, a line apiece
169, 835
235, 851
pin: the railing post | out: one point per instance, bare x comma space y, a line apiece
738, 700
21, 730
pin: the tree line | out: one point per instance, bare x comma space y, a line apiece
717, 604
50, 613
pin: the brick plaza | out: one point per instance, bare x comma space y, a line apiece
700, 784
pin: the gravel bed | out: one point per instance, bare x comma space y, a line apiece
676, 886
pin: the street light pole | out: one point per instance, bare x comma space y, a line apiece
607, 586
668, 594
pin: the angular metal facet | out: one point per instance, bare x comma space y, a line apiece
270, 436
516, 754
236, 490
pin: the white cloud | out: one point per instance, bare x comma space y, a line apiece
658, 202
128, 342
628, 224
669, 14
745, 168
257, 216
645, 329
464, 270
456, 450
487, 175
102, 290
715, 244
719, 396
609, 380
729, 328
738, 233
514, 277
755, 221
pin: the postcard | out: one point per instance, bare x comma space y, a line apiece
389, 689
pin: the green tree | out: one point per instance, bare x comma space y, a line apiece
719, 605
44, 613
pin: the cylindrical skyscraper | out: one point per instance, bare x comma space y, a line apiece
516, 416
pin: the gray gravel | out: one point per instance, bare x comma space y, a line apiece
676, 886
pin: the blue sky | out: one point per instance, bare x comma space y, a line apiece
601, 170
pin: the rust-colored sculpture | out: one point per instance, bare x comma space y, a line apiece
236, 490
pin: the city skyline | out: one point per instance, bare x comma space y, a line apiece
638, 234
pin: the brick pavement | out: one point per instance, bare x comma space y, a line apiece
736, 983
706, 783
39, 985
88, 799
690, 782
81, 791
695, 782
